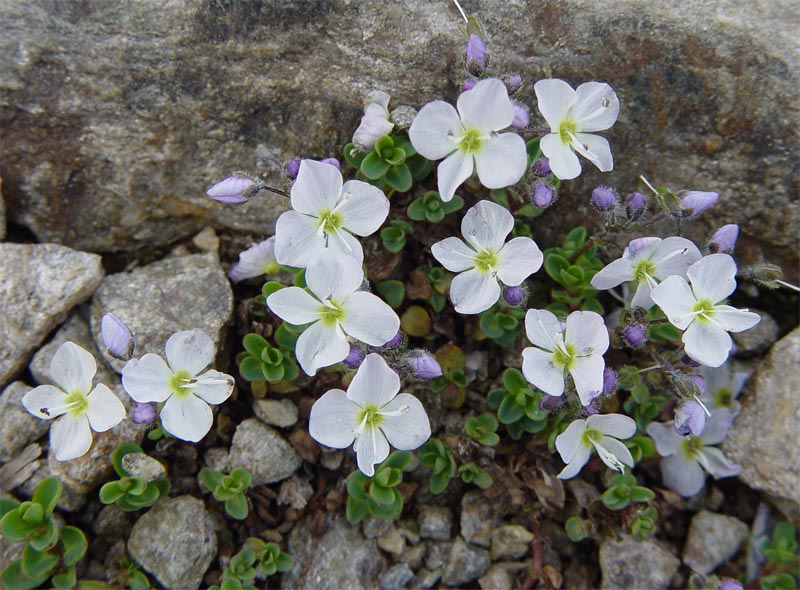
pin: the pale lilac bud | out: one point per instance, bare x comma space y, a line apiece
639, 243
395, 341
730, 585
542, 167
332, 162
117, 338
634, 336
468, 85
690, 418
724, 239
542, 195
513, 83
425, 366
635, 206
697, 201
513, 295
603, 198
475, 55
521, 117
551, 403
354, 357
591, 409
292, 168
143, 413
700, 382
609, 381
231, 191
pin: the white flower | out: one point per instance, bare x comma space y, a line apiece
485, 258
572, 116
723, 385
77, 407
326, 214
256, 261
578, 349
600, 432
335, 309
372, 414
647, 261
685, 458
180, 383
375, 123
467, 138
699, 310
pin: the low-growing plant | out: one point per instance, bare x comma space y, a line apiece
262, 362
517, 405
257, 560
482, 429
230, 489
377, 495
443, 466
132, 491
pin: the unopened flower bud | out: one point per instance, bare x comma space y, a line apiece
332, 162
551, 403
117, 338
697, 201
513, 83
591, 409
468, 85
639, 243
513, 294
521, 117
724, 239
143, 413
475, 55
635, 206
395, 341
634, 336
609, 381
603, 198
231, 191
690, 418
292, 168
424, 366
730, 585
542, 195
700, 382
354, 357
542, 167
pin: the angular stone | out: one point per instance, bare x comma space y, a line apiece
435, 522
39, 284
497, 578
175, 542
18, 427
281, 413
510, 542
628, 563
713, 539
757, 339
477, 520
770, 417
165, 297
263, 452
396, 577
466, 563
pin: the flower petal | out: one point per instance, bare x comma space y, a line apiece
294, 305
735, 320
613, 274
147, 379
410, 429
554, 98
563, 162
502, 160
369, 319
518, 260
668, 442
717, 427
375, 383
595, 149
473, 291
453, 254
70, 437
574, 467
675, 298
297, 241
587, 373
616, 425
642, 296
320, 346
371, 448
318, 187
187, 417
682, 476
213, 387
434, 128
190, 351
597, 107
105, 410
587, 331
674, 256
540, 328
333, 275
615, 448
363, 207
486, 107
717, 464
712, 277
539, 370
452, 173
486, 225
333, 420
45, 402
73, 368
707, 343
570, 442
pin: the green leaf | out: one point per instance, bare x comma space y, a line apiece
577, 528
416, 210
74, 545
418, 166
13, 577
353, 155
509, 411
66, 579
210, 479
271, 287
394, 239
37, 563
122, 450
514, 381
14, 527
254, 344
251, 369
373, 167
7, 505
452, 205
242, 478
438, 482
642, 494
575, 238
356, 510
236, 507
388, 512
381, 495
399, 460
284, 562
393, 292
399, 178
416, 321
273, 373
111, 492
47, 494
285, 338
554, 265
47, 538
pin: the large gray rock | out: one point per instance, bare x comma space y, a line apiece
116, 116
769, 420
18, 427
39, 284
175, 542
165, 297
713, 538
628, 563
338, 558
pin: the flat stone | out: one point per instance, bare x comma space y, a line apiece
435, 522
39, 285
392, 542
712, 540
165, 297
477, 520
426, 578
70, 501
759, 338
263, 452
770, 416
466, 563
437, 554
496, 578
113, 523
510, 542
18, 427
175, 542
396, 577
341, 557
281, 413
628, 563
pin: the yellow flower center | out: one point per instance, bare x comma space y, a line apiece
370, 416
643, 269
330, 221
485, 261
77, 403
704, 310
566, 130
564, 356
180, 383
331, 313
471, 142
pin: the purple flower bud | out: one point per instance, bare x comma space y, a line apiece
468, 85
603, 198
609, 381
521, 117
117, 338
634, 336
354, 357
425, 366
475, 55
395, 341
730, 585
513, 295
292, 168
591, 409
542, 167
690, 418
700, 382
697, 201
551, 403
513, 83
635, 206
542, 195
639, 243
143, 413
332, 162
231, 191
724, 239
